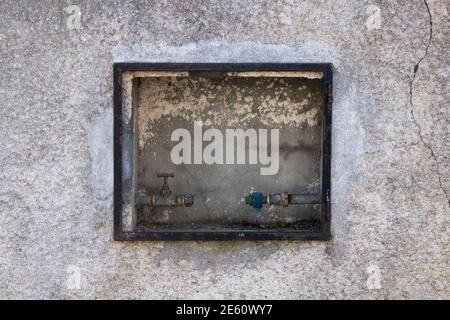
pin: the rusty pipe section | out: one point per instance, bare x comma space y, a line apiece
258, 199
176, 201
165, 197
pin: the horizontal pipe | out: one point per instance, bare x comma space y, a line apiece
176, 201
305, 198
257, 199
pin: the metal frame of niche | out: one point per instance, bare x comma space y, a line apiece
320, 233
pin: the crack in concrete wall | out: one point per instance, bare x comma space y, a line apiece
419, 128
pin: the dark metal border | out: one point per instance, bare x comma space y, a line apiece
322, 234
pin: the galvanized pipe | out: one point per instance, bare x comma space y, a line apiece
257, 199
304, 198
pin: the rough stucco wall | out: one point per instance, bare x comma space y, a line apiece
390, 172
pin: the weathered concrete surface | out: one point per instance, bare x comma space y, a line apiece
390, 184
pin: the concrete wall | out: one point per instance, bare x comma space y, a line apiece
390, 169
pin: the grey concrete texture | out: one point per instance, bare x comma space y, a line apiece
390, 169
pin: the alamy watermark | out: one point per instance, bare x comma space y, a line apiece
373, 277
228, 148
73, 280
73, 21
373, 21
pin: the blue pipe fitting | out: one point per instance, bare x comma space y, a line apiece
255, 200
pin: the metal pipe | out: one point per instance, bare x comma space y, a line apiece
257, 199
176, 201
304, 198
165, 197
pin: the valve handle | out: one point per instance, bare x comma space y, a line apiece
165, 190
165, 176
162, 175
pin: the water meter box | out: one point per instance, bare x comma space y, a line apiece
222, 151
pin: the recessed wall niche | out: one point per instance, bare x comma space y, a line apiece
222, 151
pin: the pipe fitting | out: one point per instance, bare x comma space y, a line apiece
165, 197
257, 199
